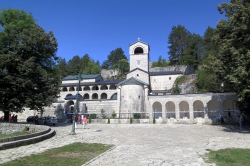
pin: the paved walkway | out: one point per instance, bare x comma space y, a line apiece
143, 144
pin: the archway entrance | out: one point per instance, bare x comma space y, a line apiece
157, 110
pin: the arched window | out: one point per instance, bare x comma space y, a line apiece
72, 89
80, 89
114, 97
112, 87
103, 96
86, 88
68, 95
95, 96
104, 87
95, 88
138, 50
64, 89
86, 96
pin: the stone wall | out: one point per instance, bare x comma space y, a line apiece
183, 68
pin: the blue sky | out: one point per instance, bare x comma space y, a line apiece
96, 27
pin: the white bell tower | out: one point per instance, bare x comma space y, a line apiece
139, 55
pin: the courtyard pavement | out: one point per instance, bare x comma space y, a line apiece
143, 144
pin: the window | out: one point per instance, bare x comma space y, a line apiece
169, 78
137, 75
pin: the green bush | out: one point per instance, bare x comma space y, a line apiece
113, 114
137, 115
103, 115
131, 120
154, 121
108, 120
89, 120
92, 116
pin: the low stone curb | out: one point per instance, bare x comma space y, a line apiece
27, 141
42, 133
16, 138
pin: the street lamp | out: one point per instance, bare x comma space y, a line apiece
76, 104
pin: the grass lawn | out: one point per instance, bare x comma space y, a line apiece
229, 157
14, 134
74, 155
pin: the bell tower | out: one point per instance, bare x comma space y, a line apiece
139, 55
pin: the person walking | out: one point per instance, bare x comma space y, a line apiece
84, 121
241, 119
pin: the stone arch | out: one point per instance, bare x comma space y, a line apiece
64, 89
68, 95
86, 88
95, 87
157, 110
228, 105
138, 50
213, 109
170, 109
104, 87
70, 106
114, 96
86, 96
104, 96
112, 87
80, 88
198, 109
94, 96
72, 88
184, 109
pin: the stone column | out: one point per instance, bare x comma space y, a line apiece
205, 109
145, 106
191, 111
177, 110
119, 100
163, 108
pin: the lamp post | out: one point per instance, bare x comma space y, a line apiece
76, 104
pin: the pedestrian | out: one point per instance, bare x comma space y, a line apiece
84, 121
13, 118
241, 119
78, 119
16, 118
9, 118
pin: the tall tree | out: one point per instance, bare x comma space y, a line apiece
74, 65
210, 48
61, 68
194, 52
113, 59
178, 40
232, 37
24, 46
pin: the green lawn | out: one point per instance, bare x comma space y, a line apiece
14, 134
74, 155
229, 157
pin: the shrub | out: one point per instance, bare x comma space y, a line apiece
154, 121
92, 116
103, 113
89, 120
108, 120
137, 115
131, 120
113, 114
